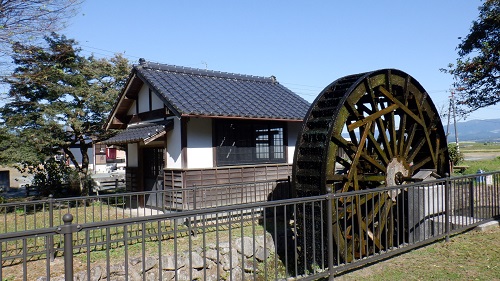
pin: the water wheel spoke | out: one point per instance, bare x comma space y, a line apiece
352, 149
402, 130
416, 150
351, 172
409, 141
352, 109
341, 177
402, 123
392, 132
421, 163
372, 117
378, 150
374, 101
424, 125
362, 242
355, 180
436, 152
401, 106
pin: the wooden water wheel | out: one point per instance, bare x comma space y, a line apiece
367, 131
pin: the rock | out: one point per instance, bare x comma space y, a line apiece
168, 262
237, 274
151, 276
269, 242
244, 246
135, 261
224, 247
250, 266
80, 276
197, 261
167, 275
117, 270
230, 260
186, 273
150, 263
212, 270
211, 254
261, 254
96, 273
134, 276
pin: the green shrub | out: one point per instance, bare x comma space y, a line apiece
456, 156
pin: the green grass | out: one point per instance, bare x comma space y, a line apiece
469, 256
479, 146
485, 165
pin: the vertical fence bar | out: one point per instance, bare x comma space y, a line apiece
471, 197
329, 221
447, 207
194, 230
50, 238
68, 247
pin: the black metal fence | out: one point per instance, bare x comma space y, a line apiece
102, 237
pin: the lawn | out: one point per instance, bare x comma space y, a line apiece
472, 255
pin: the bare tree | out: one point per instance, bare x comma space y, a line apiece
30, 20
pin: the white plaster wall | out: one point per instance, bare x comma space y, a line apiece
143, 99
131, 110
174, 147
199, 143
157, 103
133, 155
293, 132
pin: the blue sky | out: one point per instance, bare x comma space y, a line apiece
305, 44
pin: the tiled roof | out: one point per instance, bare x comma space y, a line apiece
145, 132
190, 91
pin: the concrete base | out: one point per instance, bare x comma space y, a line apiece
459, 222
423, 203
487, 226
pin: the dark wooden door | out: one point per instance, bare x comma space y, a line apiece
153, 176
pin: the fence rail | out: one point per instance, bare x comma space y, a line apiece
251, 239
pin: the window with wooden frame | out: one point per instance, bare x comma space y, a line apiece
245, 142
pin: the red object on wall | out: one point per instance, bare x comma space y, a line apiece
111, 153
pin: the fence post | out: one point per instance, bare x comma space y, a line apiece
447, 207
329, 218
195, 230
67, 230
50, 242
471, 197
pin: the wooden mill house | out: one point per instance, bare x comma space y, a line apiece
183, 127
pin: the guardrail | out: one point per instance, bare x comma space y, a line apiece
257, 240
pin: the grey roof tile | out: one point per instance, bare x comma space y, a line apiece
144, 132
194, 91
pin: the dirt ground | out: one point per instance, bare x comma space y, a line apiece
471, 156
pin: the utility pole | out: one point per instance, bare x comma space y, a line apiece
452, 104
449, 116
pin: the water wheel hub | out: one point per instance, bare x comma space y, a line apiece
397, 171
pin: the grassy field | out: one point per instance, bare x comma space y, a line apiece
480, 156
479, 146
469, 256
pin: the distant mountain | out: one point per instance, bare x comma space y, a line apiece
487, 130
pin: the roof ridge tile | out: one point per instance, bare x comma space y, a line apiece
204, 72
